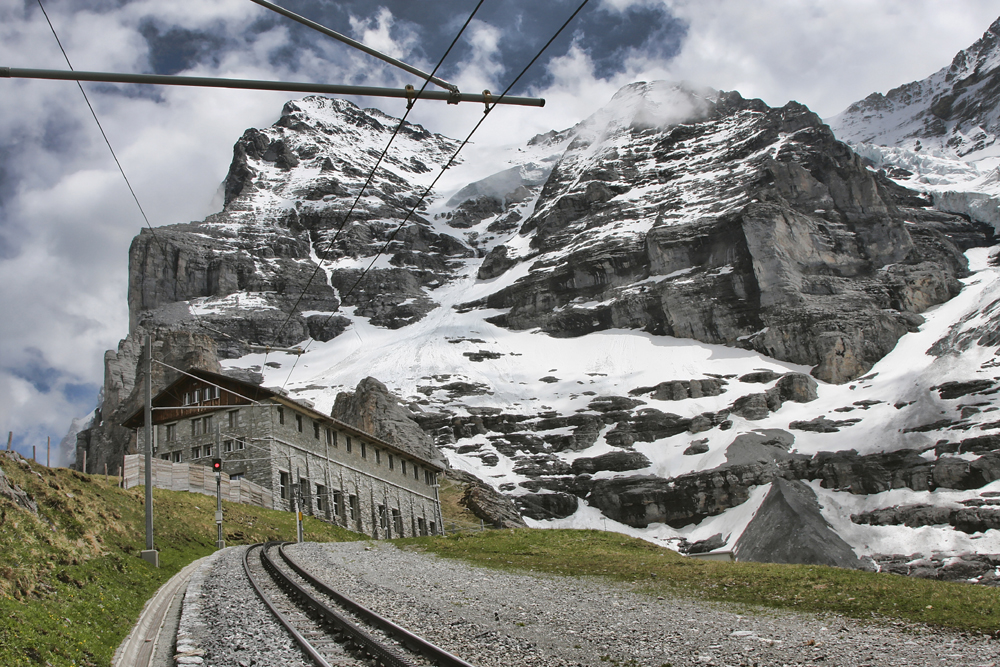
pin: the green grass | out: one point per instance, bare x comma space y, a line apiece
659, 571
71, 580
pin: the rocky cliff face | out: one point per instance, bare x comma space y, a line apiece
703, 215
952, 113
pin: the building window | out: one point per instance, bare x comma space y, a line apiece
171, 430
197, 395
281, 415
402, 466
390, 462
187, 398
235, 477
397, 522
175, 457
354, 507
331, 438
433, 529
416, 472
196, 452
321, 498
234, 418
227, 446
298, 422
428, 478
348, 442
378, 457
165, 457
421, 526
241, 443
283, 484
383, 520
206, 424
336, 499
206, 450
364, 450
316, 429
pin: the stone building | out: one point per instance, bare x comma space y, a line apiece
333, 470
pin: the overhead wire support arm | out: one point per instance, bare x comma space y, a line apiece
250, 84
357, 45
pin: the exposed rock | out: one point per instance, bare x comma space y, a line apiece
609, 403
761, 377
822, 425
373, 409
797, 387
697, 447
544, 506
950, 390
762, 446
789, 528
649, 425
751, 406
488, 504
616, 461
16, 494
678, 390
967, 519
704, 546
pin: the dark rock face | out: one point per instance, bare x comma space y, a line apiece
967, 519
616, 461
485, 502
975, 568
804, 257
544, 506
373, 409
678, 390
789, 528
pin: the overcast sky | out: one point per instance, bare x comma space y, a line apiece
66, 217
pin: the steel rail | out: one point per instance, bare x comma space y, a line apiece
309, 649
414, 642
355, 635
251, 84
356, 44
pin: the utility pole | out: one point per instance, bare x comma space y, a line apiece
150, 555
48, 452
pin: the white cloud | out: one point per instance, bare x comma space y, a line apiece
376, 32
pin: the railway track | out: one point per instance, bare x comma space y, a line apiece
330, 628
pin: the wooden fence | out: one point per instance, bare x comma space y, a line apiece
195, 478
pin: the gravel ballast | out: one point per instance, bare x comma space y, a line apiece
496, 618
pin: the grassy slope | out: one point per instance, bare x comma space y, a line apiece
71, 582
659, 571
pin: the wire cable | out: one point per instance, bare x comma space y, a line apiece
100, 127
371, 176
441, 173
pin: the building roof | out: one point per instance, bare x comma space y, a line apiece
247, 393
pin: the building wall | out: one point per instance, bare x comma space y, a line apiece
272, 444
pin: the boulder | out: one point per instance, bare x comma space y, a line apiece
488, 504
614, 461
544, 506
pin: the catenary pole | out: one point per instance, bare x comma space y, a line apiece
150, 554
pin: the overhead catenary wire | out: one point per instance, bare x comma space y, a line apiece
447, 165
100, 127
371, 176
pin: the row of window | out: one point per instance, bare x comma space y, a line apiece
332, 502
332, 438
201, 425
203, 451
201, 395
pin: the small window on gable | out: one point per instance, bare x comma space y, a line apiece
197, 395
187, 398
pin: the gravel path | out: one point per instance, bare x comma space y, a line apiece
493, 618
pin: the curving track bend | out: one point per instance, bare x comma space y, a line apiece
330, 628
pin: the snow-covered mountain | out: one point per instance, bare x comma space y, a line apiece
684, 317
939, 135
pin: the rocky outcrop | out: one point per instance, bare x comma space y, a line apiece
972, 568
373, 409
678, 390
789, 528
545, 506
970, 519
486, 503
13, 492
